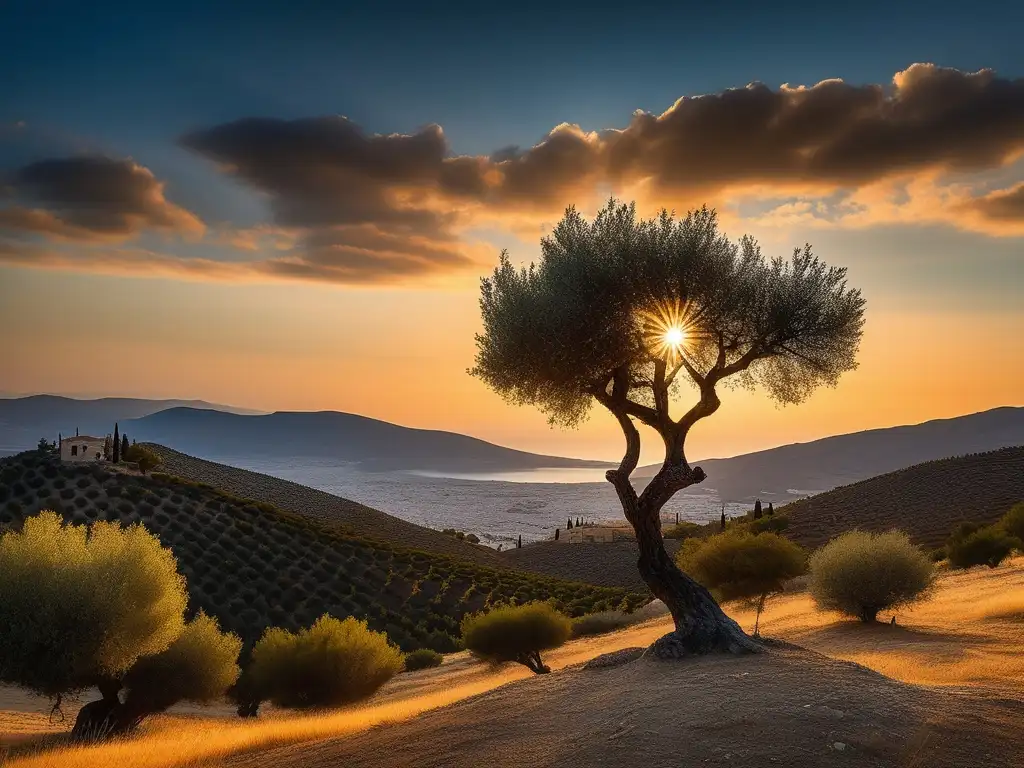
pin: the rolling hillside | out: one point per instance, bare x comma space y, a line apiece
253, 565
302, 500
370, 444
790, 471
926, 500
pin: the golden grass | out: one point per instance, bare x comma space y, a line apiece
969, 634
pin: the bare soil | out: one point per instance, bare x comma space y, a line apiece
787, 707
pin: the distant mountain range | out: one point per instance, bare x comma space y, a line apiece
23, 420
371, 444
224, 433
800, 469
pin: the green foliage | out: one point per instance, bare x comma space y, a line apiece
516, 633
767, 524
144, 457
199, 666
742, 566
861, 573
683, 530
602, 622
296, 567
331, 663
1013, 521
75, 605
422, 658
989, 546
552, 331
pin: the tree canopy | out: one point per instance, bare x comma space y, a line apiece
591, 314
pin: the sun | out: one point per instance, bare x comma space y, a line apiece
668, 328
675, 337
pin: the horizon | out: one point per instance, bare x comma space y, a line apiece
291, 207
613, 460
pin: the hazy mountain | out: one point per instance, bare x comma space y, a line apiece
800, 469
24, 420
329, 435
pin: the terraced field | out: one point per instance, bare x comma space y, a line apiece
926, 500
252, 564
300, 499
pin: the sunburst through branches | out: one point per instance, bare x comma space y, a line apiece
669, 328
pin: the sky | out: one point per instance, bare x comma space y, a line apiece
289, 206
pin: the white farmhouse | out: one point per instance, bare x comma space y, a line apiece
82, 448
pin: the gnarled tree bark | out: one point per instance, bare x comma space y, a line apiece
701, 624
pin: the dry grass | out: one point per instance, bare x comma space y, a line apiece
969, 635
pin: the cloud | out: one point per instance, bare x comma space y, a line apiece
90, 198
327, 172
352, 207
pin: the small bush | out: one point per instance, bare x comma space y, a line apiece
861, 574
1013, 521
516, 633
986, 546
422, 658
199, 667
683, 530
144, 457
602, 623
331, 663
737, 565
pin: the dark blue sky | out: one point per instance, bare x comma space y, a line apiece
135, 75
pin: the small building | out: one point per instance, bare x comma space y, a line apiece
591, 534
82, 448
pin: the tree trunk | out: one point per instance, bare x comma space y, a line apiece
532, 660
757, 618
701, 625
868, 615
105, 718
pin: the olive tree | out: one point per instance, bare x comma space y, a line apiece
621, 312
104, 607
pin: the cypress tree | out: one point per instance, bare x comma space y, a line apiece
770, 511
117, 444
723, 518
556, 534
757, 509
677, 518
519, 545
569, 524
124, 445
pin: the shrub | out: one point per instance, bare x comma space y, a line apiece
861, 573
683, 530
331, 663
989, 546
199, 667
144, 457
742, 566
602, 622
516, 633
422, 658
1013, 521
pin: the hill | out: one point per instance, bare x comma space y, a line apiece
926, 500
303, 500
790, 471
788, 707
370, 444
23, 420
253, 565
